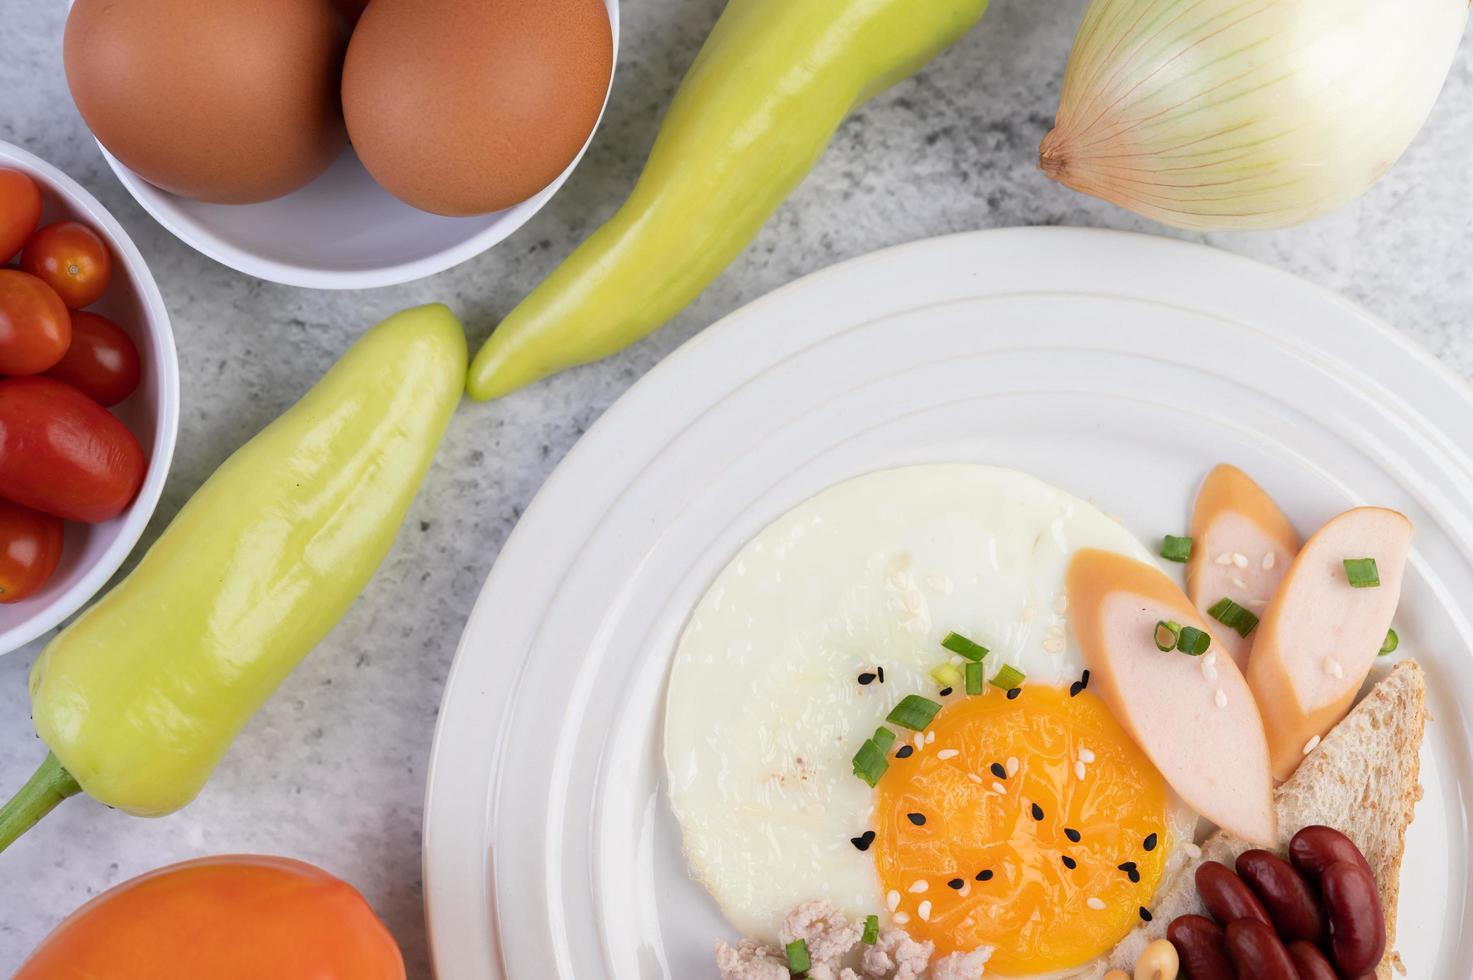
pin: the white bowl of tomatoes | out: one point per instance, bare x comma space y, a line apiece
89, 396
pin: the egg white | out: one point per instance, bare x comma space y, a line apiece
764, 712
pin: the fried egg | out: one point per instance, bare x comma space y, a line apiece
1026, 821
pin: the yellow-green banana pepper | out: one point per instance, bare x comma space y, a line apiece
759, 105
141, 696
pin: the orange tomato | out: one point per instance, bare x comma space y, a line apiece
72, 259
238, 917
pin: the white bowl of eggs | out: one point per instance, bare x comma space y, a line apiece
231, 124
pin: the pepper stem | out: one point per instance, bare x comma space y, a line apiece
48, 786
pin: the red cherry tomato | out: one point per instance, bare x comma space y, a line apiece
62, 453
30, 548
35, 328
72, 260
101, 363
20, 211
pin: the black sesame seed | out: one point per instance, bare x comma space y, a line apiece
945, 692
1084, 679
999, 771
880, 673
864, 840
866, 678
905, 752
1150, 842
956, 883
1072, 834
1014, 692
1145, 914
1070, 863
1037, 812
985, 874
919, 819
1135, 876
1075, 688
1127, 867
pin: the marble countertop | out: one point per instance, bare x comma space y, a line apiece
332, 770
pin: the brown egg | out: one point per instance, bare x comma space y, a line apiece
467, 106
230, 101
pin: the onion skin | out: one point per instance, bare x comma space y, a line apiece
1246, 114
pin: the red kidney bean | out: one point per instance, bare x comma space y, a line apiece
1310, 962
1290, 902
1201, 947
1225, 895
1315, 848
1257, 953
1357, 925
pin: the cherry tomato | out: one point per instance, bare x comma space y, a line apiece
72, 260
62, 453
101, 363
35, 328
20, 211
30, 548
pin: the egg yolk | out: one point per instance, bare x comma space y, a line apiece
1033, 825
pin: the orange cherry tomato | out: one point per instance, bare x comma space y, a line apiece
102, 362
30, 548
20, 211
35, 328
71, 259
238, 917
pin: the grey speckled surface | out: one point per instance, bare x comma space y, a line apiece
333, 769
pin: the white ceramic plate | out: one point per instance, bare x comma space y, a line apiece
1118, 367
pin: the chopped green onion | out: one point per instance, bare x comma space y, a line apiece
1174, 548
798, 961
946, 675
884, 738
974, 678
913, 712
1008, 678
1392, 642
1193, 642
1362, 573
870, 762
963, 647
871, 930
1233, 616
1168, 634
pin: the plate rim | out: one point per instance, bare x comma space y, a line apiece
446, 948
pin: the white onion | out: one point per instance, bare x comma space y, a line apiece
1211, 114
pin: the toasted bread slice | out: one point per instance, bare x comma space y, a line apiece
1362, 779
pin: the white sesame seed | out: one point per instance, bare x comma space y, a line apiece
1210, 657
930, 737
1226, 558
1257, 603
1209, 672
1240, 559
1269, 560
1086, 755
1311, 745
965, 889
924, 911
947, 754
1191, 850
918, 887
1078, 769
1012, 766
892, 900
900, 918
974, 777
1220, 698
1061, 605
1333, 668
1003, 790
1239, 584
920, 740
1095, 904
